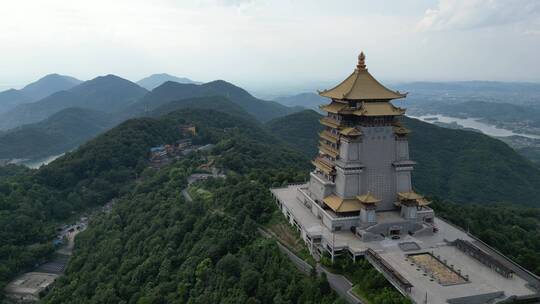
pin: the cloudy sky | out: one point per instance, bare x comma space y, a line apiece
270, 43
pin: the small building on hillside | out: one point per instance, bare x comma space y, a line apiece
30, 286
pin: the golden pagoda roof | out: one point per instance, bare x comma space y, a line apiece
351, 132
360, 85
400, 129
327, 149
334, 107
414, 197
368, 198
338, 204
329, 136
380, 108
423, 202
329, 122
323, 166
410, 195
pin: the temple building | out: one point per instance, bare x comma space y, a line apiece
363, 172
360, 203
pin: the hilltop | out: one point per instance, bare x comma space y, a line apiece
170, 91
57, 134
36, 90
155, 80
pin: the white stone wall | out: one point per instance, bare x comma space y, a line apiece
403, 179
402, 150
320, 188
378, 152
348, 182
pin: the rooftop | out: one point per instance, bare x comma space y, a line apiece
360, 85
30, 284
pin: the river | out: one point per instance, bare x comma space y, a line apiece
474, 123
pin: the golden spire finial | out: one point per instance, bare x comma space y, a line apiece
361, 62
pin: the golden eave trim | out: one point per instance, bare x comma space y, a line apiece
325, 148
329, 137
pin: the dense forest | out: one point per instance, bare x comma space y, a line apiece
156, 247
32, 202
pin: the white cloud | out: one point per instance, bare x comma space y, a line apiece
469, 14
267, 42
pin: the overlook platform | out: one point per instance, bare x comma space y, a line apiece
479, 282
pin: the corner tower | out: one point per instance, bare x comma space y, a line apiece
363, 162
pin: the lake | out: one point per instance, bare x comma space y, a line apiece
473, 123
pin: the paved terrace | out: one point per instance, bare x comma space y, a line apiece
482, 279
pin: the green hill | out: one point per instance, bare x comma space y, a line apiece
105, 93
33, 202
71, 127
61, 132
300, 130
457, 165
170, 91
210, 102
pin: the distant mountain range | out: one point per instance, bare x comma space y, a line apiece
52, 121
105, 93
305, 100
471, 86
155, 80
170, 91
36, 90
59, 133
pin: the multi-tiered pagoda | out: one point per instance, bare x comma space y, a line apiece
363, 164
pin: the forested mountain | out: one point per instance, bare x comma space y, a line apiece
210, 103
71, 127
31, 203
36, 90
306, 100
300, 130
105, 93
190, 252
458, 165
171, 91
59, 133
155, 80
